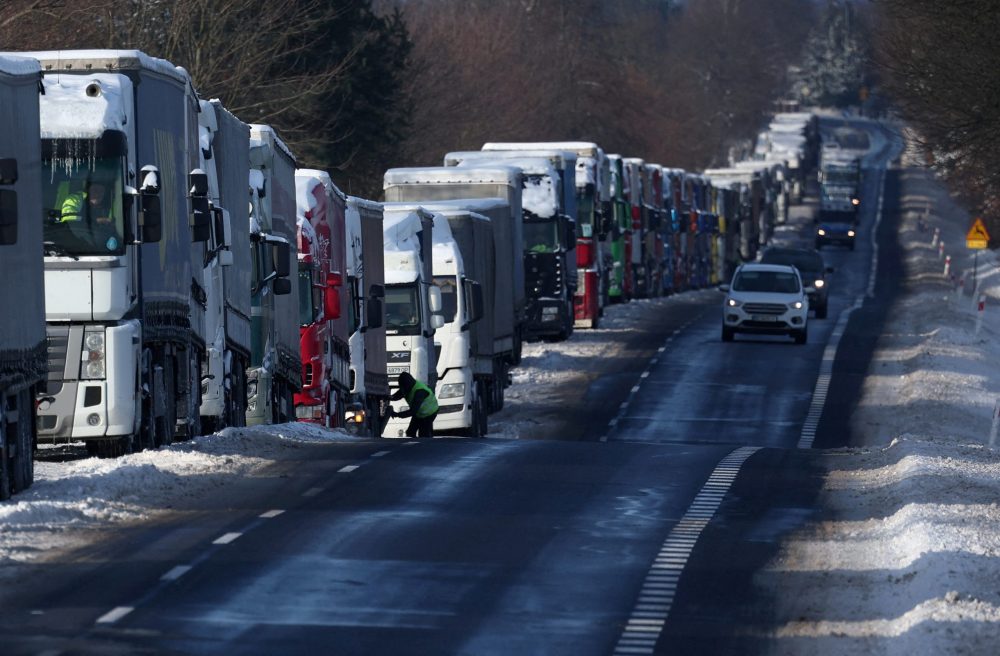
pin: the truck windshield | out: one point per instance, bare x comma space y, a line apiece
82, 184
402, 310
449, 296
775, 282
541, 236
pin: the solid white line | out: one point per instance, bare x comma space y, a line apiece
227, 538
379, 454
176, 573
411, 443
313, 491
114, 615
656, 595
271, 513
348, 469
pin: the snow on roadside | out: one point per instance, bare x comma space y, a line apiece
69, 501
907, 557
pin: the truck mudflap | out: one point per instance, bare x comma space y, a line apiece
586, 301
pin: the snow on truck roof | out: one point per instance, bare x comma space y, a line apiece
266, 134
69, 110
17, 65
580, 148
452, 174
105, 61
472, 205
557, 157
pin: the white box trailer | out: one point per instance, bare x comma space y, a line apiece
469, 184
227, 273
119, 260
22, 324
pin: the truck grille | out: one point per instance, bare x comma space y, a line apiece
764, 308
58, 345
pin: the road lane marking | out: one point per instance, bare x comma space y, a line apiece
656, 595
411, 443
176, 573
227, 538
379, 454
114, 615
270, 513
348, 469
313, 491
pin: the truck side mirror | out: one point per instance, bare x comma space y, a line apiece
282, 286
437, 321
373, 312
8, 217
150, 218
476, 304
225, 258
201, 210
434, 299
282, 260
331, 303
8, 171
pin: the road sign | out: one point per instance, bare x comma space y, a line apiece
977, 237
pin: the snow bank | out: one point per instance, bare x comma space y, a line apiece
70, 501
907, 559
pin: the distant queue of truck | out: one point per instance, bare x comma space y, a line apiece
177, 273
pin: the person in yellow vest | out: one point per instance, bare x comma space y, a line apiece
423, 406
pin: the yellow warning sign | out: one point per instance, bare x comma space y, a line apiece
977, 237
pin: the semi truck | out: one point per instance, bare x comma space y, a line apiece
323, 329
119, 148
462, 246
620, 276
227, 267
594, 224
480, 182
364, 307
412, 302
275, 372
22, 332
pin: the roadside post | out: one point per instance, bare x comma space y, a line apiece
996, 424
940, 249
947, 265
980, 310
976, 239
937, 237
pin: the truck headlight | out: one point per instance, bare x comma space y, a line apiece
92, 359
850, 233
819, 284
452, 390
855, 201
821, 232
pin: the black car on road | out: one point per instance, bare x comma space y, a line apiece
812, 269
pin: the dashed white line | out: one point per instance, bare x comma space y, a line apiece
379, 454
176, 573
226, 539
411, 443
348, 469
656, 596
271, 514
313, 491
115, 614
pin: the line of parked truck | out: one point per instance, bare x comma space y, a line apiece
193, 278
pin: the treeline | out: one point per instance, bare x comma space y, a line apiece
357, 87
938, 61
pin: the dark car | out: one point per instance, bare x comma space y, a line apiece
835, 232
811, 268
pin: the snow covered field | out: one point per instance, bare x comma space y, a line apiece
908, 559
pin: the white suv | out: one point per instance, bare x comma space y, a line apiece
767, 299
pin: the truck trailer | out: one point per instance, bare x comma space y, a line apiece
22, 331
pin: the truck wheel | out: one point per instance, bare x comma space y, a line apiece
476, 428
24, 464
6, 482
165, 425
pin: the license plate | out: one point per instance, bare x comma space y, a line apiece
399, 370
763, 317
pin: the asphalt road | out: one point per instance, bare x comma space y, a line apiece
626, 532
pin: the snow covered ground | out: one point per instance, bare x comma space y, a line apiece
71, 502
907, 557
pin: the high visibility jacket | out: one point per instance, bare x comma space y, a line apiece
72, 207
429, 405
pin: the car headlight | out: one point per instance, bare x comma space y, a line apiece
855, 201
819, 284
821, 232
797, 305
850, 233
451, 390
92, 359
732, 302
